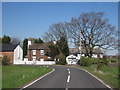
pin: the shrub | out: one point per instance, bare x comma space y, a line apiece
83, 61
113, 61
86, 61
99, 64
104, 61
95, 60
62, 59
89, 61
5, 60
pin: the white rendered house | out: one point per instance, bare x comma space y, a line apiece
18, 54
72, 59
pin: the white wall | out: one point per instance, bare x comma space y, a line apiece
45, 62
18, 54
101, 55
94, 55
83, 55
19, 62
35, 62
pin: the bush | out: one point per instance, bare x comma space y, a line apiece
113, 61
89, 61
99, 64
86, 61
83, 61
104, 61
5, 60
62, 59
95, 60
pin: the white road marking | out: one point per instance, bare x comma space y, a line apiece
68, 70
68, 79
37, 79
97, 78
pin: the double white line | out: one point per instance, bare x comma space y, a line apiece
68, 79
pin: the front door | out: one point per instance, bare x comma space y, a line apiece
42, 59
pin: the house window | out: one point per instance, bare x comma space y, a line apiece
41, 52
33, 58
34, 52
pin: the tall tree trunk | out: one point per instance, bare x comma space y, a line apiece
91, 52
87, 54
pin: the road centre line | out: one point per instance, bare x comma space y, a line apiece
68, 79
68, 70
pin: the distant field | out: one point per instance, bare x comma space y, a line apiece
16, 76
109, 74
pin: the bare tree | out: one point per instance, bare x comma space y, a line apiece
95, 31
15, 40
56, 31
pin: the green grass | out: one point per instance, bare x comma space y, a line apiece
17, 76
0, 76
109, 74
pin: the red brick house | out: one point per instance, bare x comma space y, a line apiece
38, 52
12, 51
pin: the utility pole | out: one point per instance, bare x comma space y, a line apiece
80, 45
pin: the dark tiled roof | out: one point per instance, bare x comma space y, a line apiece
97, 51
38, 46
76, 51
8, 47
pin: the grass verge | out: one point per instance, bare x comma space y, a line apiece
109, 74
17, 76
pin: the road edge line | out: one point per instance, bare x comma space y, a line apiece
37, 79
97, 78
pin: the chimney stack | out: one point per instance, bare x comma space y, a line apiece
29, 42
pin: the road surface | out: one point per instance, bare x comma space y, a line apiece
67, 77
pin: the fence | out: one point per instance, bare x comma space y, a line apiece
34, 62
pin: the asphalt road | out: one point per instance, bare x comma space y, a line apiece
67, 77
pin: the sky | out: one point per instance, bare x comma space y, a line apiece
60, 0
32, 19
